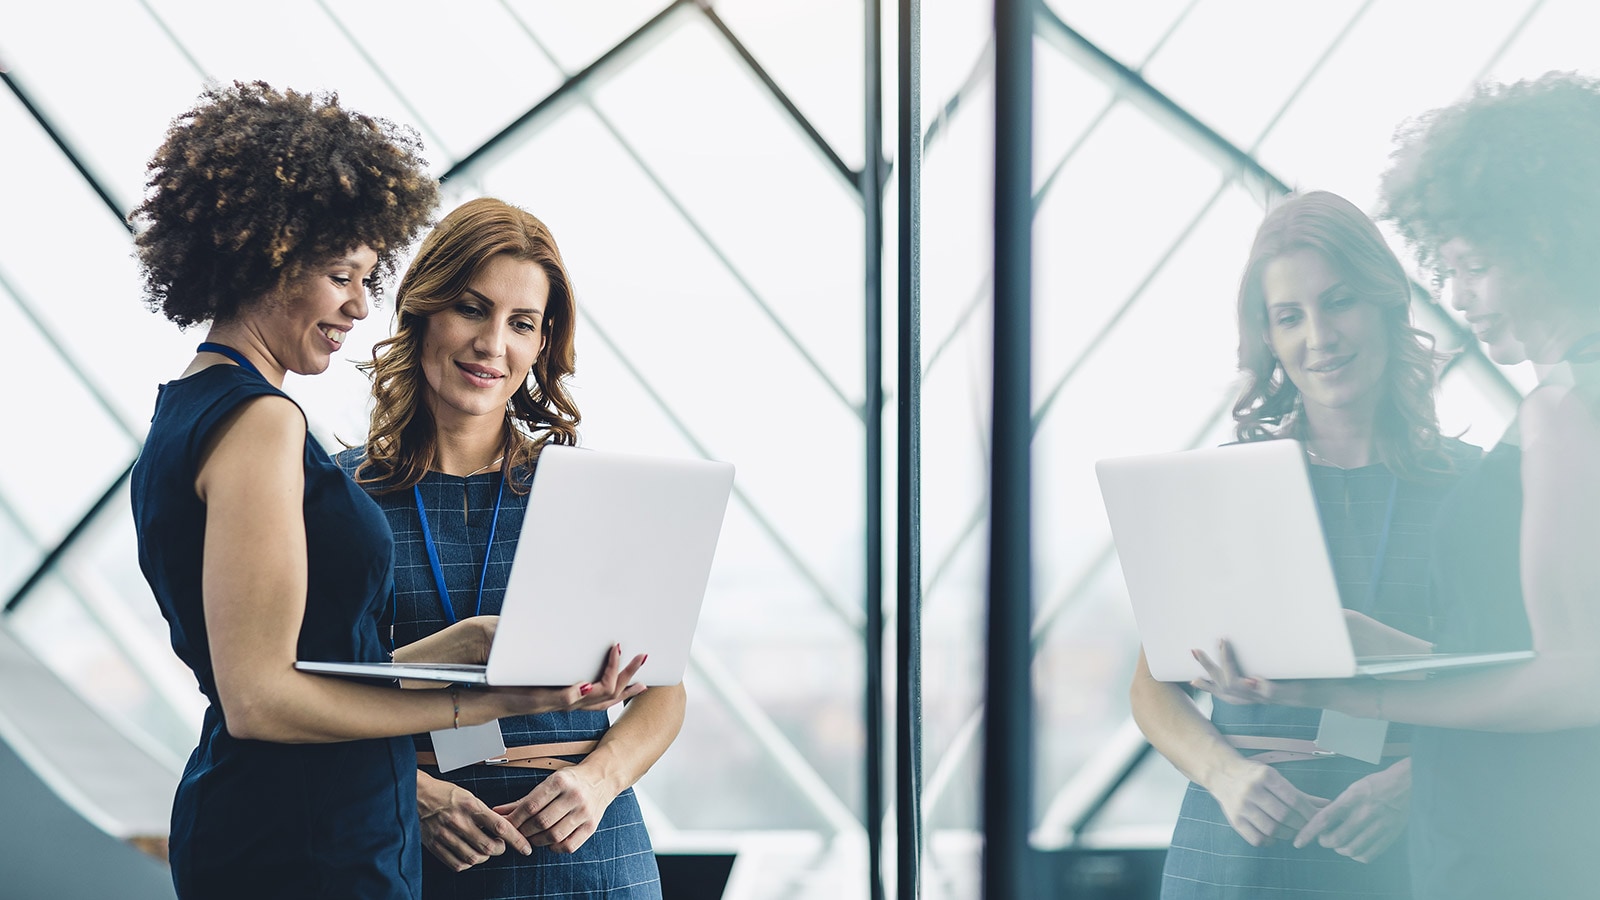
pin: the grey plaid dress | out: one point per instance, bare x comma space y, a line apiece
618, 860
1208, 859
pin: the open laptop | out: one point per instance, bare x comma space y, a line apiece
1224, 542
615, 548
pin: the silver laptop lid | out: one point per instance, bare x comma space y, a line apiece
1225, 542
615, 548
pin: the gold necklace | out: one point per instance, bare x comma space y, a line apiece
1324, 460
492, 463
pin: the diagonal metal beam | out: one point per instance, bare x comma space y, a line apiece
849, 615
607, 66
726, 687
432, 134
25, 306
60, 549
100, 188
819, 143
177, 44
699, 230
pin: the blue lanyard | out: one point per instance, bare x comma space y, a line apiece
433, 552
229, 352
1383, 546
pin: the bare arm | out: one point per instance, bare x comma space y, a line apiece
254, 583
647, 727
1174, 726
566, 808
1259, 802
1558, 689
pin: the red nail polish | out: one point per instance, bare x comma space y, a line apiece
645, 659
585, 689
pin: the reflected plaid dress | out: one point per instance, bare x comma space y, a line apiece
618, 860
1207, 858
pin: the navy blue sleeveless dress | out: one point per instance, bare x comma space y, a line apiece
1497, 815
617, 861
1207, 858
253, 818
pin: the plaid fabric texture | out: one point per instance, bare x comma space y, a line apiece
618, 861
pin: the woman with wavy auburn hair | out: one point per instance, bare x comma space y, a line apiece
467, 391
401, 445
1328, 357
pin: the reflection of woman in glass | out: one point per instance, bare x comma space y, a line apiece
468, 389
1330, 359
1502, 192
267, 216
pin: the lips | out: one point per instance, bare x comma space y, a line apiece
334, 335
1486, 327
1331, 365
479, 375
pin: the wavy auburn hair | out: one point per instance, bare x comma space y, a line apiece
1407, 428
402, 440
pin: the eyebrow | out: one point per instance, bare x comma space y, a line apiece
1326, 293
526, 310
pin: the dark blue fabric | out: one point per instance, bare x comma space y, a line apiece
252, 818
1497, 815
1208, 859
618, 861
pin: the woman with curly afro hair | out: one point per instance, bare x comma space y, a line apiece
1501, 193
268, 215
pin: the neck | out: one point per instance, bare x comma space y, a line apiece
1340, 437
241, 337
468, 444
1550, 344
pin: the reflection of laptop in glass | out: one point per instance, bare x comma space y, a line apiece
1224, 542
615, 548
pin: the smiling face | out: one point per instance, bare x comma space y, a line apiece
305, 322
477, 351
1333, 345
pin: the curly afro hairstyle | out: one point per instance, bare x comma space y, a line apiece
1513, 170
252, 185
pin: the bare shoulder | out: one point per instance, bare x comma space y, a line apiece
1560, 415
261, 441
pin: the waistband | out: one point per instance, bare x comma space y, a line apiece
1292, 749
531, 756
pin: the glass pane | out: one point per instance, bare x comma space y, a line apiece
297, 45
1330, 140
467, 71
74, 72
51, 476
788, 37
85, 290
1235, 99
579, 33
93, 621
1129, 32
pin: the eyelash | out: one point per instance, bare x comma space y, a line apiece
471, 311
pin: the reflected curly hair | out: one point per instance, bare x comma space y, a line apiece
1407, 438
1514, 170
402, 439
252, 185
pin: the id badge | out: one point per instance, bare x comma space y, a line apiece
1361, 739
457, 748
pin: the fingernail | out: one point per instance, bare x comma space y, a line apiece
1195, 653
585, 689
644, 659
